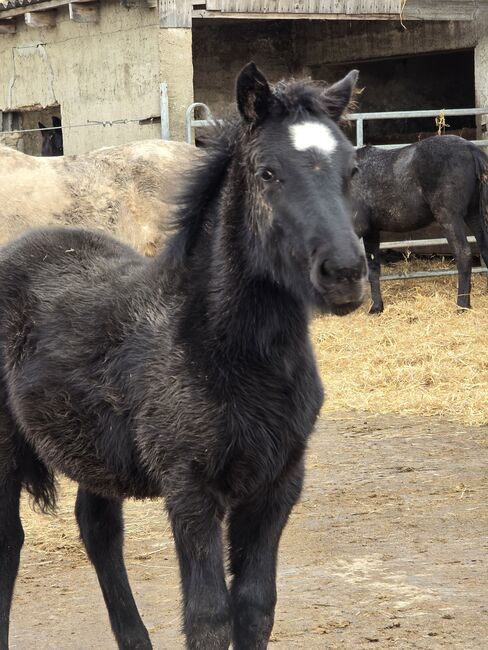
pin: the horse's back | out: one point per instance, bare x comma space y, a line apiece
63, 262
126, 190
403, 188
65, 310
445, 168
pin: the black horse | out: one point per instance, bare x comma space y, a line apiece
190, 376
443, 179
52, 139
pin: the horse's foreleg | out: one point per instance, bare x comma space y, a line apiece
372, 248
456, 236
101, 527
196, 525
11, 540
254, 531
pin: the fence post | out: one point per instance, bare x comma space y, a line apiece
359, 133
164, 108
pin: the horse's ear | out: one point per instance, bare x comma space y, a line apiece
338, 96
56, 121
253, 94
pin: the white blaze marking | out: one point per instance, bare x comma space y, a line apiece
313, 135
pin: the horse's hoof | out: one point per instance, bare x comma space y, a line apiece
374, 309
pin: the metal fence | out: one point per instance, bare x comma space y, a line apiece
360, 118
193, 123
163, 117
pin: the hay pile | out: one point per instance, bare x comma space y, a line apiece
421, 356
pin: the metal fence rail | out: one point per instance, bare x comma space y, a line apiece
360, 118
418, 243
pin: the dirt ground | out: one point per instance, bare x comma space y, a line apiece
388, 549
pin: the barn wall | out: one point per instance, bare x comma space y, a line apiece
301, 47
176, 69
481, 81
105, 71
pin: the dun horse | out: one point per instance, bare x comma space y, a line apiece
189, 376
125, 190
443, 179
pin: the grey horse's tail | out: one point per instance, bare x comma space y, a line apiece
481, 170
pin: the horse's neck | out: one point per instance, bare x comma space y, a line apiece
237, 306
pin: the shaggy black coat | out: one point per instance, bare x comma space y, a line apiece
190, 376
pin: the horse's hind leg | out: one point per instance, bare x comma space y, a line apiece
372, 248
11, 540
456, 236
481, 236
101, 527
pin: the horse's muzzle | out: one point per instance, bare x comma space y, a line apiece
343, 287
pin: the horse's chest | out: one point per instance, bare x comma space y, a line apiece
266, 426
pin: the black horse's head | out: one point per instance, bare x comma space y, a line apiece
52, 139
298, 167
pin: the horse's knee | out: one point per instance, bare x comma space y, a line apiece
253, 625
208, 630
11, 538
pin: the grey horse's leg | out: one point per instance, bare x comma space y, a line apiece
372, 248
456, 237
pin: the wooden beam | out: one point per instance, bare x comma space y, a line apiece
54, 4
41, 18
19, 11
342, 9
7, 26
84, 12
202, 13
175, 13
143, 4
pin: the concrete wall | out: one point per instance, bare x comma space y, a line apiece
176, 68
105, 71
481, 80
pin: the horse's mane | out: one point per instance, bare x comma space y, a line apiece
201, 184
305, 97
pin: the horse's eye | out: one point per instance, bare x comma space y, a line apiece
266, 175
354, 170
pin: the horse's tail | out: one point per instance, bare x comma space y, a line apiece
37, 479
481, 171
